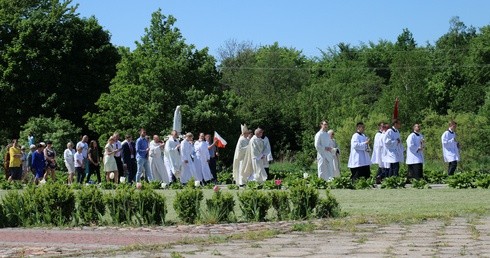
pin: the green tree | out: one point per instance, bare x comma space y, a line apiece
52, 61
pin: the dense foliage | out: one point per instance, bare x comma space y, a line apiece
55, 63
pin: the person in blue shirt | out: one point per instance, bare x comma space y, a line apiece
142, 149
38, 163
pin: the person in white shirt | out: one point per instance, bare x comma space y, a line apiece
254, 164
79, 164
155, 157
450, 148
239, 157
84, 145
324, 157
393, 148
359, 160
69, 156
117, 155
172, 159
415, 153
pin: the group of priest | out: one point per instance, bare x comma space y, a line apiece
252, 156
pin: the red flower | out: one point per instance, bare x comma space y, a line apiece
278, 182
216, 188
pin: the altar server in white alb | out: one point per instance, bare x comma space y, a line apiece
254, 164
240, 150
393, 148
378, 152
186, 154
324, 157
450, 148
359, 157
202, 158
415, 153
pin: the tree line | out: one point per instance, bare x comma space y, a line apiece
56, 65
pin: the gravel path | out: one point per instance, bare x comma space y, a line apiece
460, 236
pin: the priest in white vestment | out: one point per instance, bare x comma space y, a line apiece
324, 157
186, 153
157, 166
172, 158
254, 164
202, 158
268, 152
335, 154
240, 150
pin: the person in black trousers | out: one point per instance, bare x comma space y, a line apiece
129, 158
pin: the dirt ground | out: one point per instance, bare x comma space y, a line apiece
460, 236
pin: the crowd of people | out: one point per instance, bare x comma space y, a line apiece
180, 160
143, 159
387, 152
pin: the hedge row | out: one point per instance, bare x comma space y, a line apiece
58, 204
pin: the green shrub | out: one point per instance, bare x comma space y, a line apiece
14, 210
362, 183
108, 185
254, 204
420, 184
318, 183
219, 208
483, 182
327, 207
151, 207
393, 182
233, 187
342, 182
90, 206
461, 180
121, 204
253, 185
187, 204
435, 176
176, 186
56, 202
280, 202
303, 200
225, 177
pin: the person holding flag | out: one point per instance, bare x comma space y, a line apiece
218, 142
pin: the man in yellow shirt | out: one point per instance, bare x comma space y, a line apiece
15, 165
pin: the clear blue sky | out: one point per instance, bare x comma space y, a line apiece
306, 25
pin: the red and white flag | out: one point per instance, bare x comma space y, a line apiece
220, 142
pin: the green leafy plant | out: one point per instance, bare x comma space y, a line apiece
151, 207
233, 187
253, 185
318, 183
327, 207
280, 203
343, 182
225, 177
219, 208
187, 204
303, 201
420, 184
254, 204
362, 183
393, 182
121, 204
483, 182
461, 180
435, 176
91, 205
108, 185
